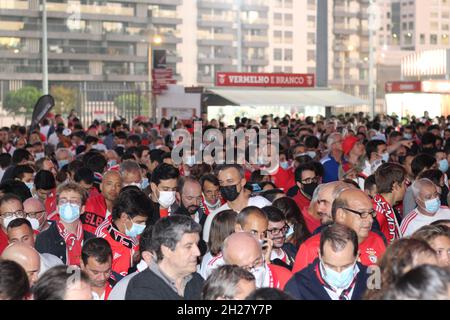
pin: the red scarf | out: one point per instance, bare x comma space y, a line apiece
388, 225
73, 242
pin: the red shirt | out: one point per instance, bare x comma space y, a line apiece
123, 247
371, 250
301, 200
386, 218
3, 240
311, 222
280, 275
284, 179
94, 213
51, 203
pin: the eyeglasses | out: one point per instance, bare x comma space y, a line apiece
362, 215
255, 265
18, 213
310, 180
35, 214
274, 231
64, 201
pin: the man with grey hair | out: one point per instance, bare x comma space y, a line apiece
228, 282
332, 161
173, 275
131, 173
63, 156
428, 208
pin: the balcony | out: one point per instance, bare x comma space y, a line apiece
343, 12
211, 21
211, 4
90, 9
256, 61
215, 59
255, 24
217, 39
343, 29
255, 41
255, 5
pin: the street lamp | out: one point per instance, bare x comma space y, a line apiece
44, 49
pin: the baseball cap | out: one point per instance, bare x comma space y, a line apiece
348, 144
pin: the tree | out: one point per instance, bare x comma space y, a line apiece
22, 101
132, 103
65, 98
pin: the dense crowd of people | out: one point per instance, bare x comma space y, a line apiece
355, 208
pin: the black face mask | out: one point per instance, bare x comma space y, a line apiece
308, 189
229, 193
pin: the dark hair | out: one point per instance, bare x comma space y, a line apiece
156, 155
14, 284
370, 182
84, 174
387, 174
372, 146
312, 142
338, 235
425, 282
16, 187
274, 214
420, 162
18, 222
430, 232
52, 285
135, 139
164, 171
168, 231
434, 175
199, 170
181, 182
97, 248
308, 166
269, 294
222, 226
19, 171
134, 203
145, 240
223, 282
270, 194
19, 155
97, 163
44, 180
5, 160
210, 178
74, 165
247, 212
293, 216
428, 138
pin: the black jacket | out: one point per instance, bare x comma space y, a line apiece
50, 241
305, 285
148, 286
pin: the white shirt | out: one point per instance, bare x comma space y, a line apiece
209, 263
257, 201
415, 220
53, 139
95, 296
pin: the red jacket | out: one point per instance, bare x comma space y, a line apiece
371, 250
94, 213
123, 247
311, 222
3, 240
301, 200
284, 179
386, 218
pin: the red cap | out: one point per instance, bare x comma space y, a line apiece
348, 144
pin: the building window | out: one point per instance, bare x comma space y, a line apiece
277, 35
277, 54
433, 39
287, 54
288, 20
422, 38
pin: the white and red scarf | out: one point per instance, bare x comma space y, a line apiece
74, 243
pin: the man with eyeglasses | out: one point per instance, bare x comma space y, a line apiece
65, 237
353, 209
35, 210
282, 253
243, 250
10, 208
336, 274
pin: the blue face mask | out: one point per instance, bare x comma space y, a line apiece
312, 154
135, 230
144, 183
69, 212
385, 157
30, 185
284, 165
112, 163
407, 136
443, 165
290, 231
62, 163
433, 205
339, 280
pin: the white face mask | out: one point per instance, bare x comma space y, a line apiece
38, 155
212, 206
133, 184
260, 274
34, 223
6, 221
166, 198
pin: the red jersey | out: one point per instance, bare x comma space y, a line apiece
51, 202
3, 240
301, 200
371, 250
279, 276
386, 218
123, 247
94, 213
311, 222
284, 179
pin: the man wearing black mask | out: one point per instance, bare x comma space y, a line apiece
307, 178
189, 198
232, 188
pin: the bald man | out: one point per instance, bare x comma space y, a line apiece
99, 206
35, 209
243, 250
352, 208
27, 257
